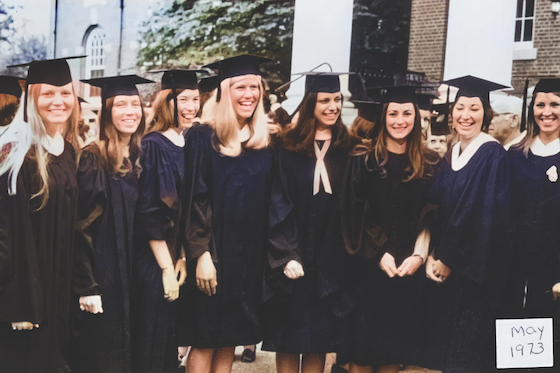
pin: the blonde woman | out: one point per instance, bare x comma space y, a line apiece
228, 173
38, 199
159, 267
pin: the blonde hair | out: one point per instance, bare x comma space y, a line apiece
532, 127
27, 139
222, 118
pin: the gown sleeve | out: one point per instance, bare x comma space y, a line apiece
359, 232
158, 201
92, 200
21, 296
283, 233
198, 163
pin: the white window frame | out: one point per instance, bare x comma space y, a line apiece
524, 50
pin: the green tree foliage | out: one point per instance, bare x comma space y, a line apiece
193, 33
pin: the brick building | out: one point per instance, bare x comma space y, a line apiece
535, 34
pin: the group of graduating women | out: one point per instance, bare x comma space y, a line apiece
229, 232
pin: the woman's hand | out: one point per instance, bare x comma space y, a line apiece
181, 271
387, 264
440, 270
206, 278
92, 304
23, 325
293, 270
409, 266
170, 284
430, 269
556, 291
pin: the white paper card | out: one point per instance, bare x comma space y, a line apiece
524, 343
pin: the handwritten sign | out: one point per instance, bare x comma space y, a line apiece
524, 343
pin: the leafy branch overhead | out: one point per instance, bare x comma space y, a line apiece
193, 33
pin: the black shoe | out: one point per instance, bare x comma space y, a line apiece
248, 356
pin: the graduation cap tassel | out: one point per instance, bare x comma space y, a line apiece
25, 103
524, 109
219, 93
447, 106
175, 109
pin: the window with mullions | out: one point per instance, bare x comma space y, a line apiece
524, 20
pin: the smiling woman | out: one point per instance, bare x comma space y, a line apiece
108, 181
37, 219
535, 202
305, 240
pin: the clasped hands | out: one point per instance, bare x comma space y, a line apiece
436, 270
407, 268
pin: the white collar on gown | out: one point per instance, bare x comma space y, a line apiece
54, 145
542, 150
244, 133
460, 161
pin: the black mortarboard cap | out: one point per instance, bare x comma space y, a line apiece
10, 85
328, 82
81, 100
112, 86
208, 84
179, 79
244, 64
439, 128
400, 94
547, 85
239, 65
471, 86
369, 110
54, 72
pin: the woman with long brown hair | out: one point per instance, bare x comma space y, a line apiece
303, 231
535, 199
38, 201
107, 176
159, 266
384, 208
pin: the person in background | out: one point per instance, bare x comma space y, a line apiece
437, 137
38, 201
107, 176
505, 125
10, 93
159, 265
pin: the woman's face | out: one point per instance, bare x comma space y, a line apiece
245, 93
327, 108
55, 104
547, 113
400, 119
188, 104
468, 116
126, 114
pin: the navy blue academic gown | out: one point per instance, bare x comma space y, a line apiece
227, 216
302, 314
103, 265
535, 199
471, 239
36, 251
383, 329
161, 190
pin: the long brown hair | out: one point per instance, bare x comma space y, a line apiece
301, 138
414, 148
109, 143
8, 108
533, 129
